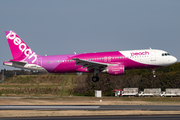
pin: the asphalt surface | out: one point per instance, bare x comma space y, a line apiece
153, 117
96, 107
92, 107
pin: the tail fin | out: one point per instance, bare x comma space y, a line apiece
20, 51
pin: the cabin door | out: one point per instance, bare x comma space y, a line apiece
153, 55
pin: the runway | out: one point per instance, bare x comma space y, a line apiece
91, 107
153, 117
96, 108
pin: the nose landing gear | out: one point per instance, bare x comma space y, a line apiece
153, 71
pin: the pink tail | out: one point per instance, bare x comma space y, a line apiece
20, 51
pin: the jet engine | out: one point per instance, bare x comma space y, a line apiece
115, 70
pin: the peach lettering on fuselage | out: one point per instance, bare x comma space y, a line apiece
22, 46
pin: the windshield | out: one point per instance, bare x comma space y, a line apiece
165, 54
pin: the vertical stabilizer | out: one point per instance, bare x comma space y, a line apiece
20, 51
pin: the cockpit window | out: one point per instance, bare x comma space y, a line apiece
165, 54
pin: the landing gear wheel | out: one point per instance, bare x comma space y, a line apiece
95, 79
154, 75
153, 71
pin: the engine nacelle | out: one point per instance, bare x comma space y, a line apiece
116, 70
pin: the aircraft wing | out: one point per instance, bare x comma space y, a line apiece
90, 64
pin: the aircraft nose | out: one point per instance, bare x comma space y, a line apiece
173, 59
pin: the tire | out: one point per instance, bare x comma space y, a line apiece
154, 76
95, 79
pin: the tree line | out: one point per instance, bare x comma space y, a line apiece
167, 77
5, 74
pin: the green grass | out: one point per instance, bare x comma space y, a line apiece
38, 85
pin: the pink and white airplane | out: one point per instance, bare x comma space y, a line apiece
114, 63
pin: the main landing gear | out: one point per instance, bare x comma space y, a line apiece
153, 71
95, 78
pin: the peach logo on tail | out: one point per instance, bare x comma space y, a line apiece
22, 46
139, 53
